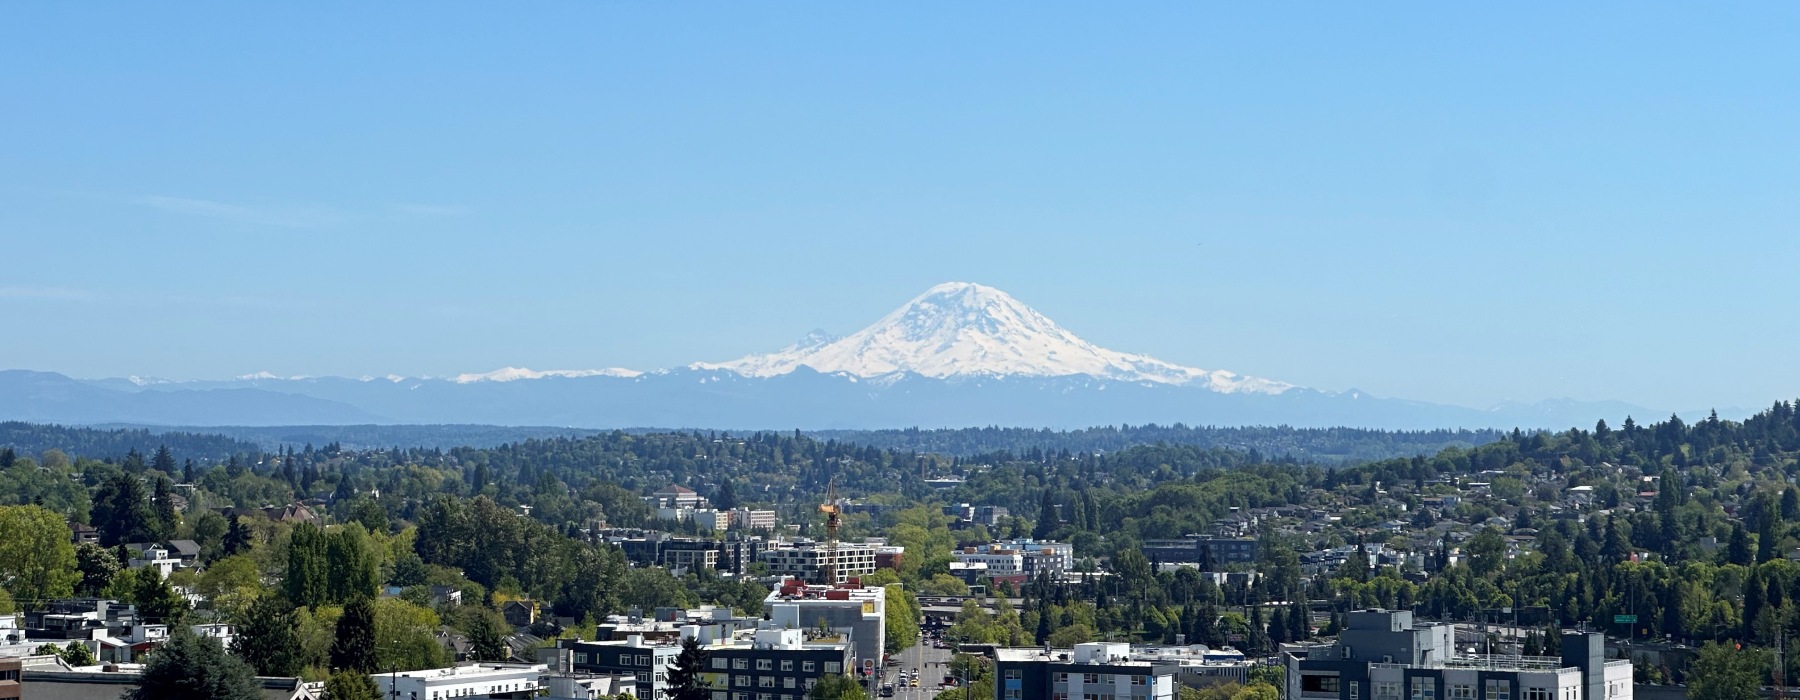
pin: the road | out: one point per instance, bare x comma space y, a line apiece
930, 664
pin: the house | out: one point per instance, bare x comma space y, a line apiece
153, 556
292, 513
445, 595
519, 613
80, 533
187, 552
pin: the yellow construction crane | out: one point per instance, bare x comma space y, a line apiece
833, 519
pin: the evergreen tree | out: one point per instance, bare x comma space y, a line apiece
156, 601
1737, 550
726, 498
353, 644
266, 638
1768, 535
351, 685
307, 582
345, 489
1299, 623
164, 461
487, 639
121, 512
684, 678
238, 539
162, 501
352, 568
1046, 522
1278, 626
191, 667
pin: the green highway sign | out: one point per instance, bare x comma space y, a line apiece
1624, 619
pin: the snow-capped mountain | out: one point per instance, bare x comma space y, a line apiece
510, 374
959, 355
965, 329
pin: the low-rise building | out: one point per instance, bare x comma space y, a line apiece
1089, 671
646, 661
1383, 654
807, 560
850, 608
776, 664
753, 519
482, 680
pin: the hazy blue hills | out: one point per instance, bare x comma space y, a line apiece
721, 399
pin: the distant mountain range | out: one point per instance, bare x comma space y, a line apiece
960, 354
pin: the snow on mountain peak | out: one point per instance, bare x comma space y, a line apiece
507, 374
963, 329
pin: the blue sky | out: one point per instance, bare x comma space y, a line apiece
1443, 203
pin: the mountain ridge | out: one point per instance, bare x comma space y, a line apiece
959, 355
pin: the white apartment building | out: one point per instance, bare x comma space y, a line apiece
484, 680
807, 560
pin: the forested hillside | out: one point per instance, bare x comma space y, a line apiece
34, 438
1323, 445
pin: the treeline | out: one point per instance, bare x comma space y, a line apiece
34, 438
1323, 445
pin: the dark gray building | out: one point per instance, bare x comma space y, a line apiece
1385, 655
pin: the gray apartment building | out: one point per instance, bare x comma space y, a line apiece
1385, 655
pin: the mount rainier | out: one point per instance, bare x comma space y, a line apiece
961, 354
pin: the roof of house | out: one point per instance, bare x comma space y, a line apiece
677, 489
187, 548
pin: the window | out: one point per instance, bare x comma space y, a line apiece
834, 667
1355, 688
787, 664
643, 660
1013, 694
1319, 684
1462, 692
717, 695
718, 662
1498, 690
740, 681
740, 664
1535, 694
1424, 689
765, 681
764, 664
1090, 678
787, 682
1139, 680
1013, 674
1384, 690
581, 657
1062, 677
806, 667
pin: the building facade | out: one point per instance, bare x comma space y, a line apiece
485, 680
780, 664
648, 662
806, 560
1094, 671
859, 613
1384, 655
